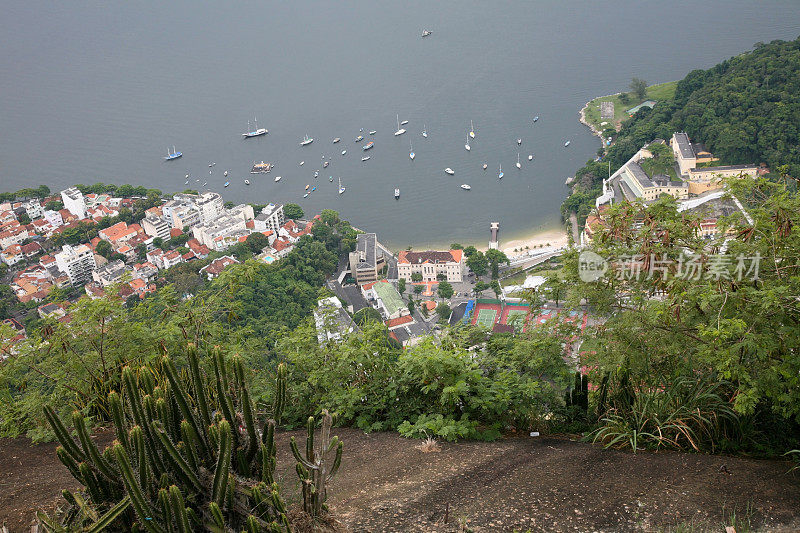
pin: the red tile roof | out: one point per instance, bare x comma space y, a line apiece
400, 321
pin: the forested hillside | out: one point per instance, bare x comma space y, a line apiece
745, 110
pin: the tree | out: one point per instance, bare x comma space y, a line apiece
293, 211
116, 256
401, 285
495, 285
416, 277
411, 305
256, 242
54, 205
417, 289
141, 251
480, 287
158, 242
367, 315
456, 246
469, 251
639, 88
328, 216
443, 310
24, 219
104, 248
478, 263
445, 290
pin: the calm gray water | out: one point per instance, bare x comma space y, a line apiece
97, 91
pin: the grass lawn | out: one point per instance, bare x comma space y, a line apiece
659, 92
519, 278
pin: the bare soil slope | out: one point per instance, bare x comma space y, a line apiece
541, 484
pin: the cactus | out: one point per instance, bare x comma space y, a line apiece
314, 468
175, 466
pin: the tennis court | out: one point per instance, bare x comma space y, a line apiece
486, 317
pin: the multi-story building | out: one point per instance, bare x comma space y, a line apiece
156, 227
109, 273
431, 264
636, 184
77, 262
270, 218
73, 201
331, 320
33, 208
53, 218
184, 217
366, 260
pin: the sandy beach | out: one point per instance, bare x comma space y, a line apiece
553, 238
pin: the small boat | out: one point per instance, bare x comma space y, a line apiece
336, 140
247, 182
361, 130
225, 173
307, 186
209, 173
400, 130
397, 193
205, 183
373, 132
359, 138
173, 155
567, 144
465, 187
302, 163
227, 183
306, 141
261, 168
411, 154
198, 181
424, 131
404, 123
341, 189
500, 175
187, 182
449, 170
330, 178
325, 164
314, 188
344, 152
210, 164
471, 130
519, 141
519, 165
186, 176
316, 174
425, 33
305, 195
365, 158
256, 132
530, 157
368, 145
278, 178
536, 118
466, 146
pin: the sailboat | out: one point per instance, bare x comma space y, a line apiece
225, 173
567, 144
518, 163
278, 178
449, 170
471, 130
173, 155
341, 189
247, 182
466, 146
530, 157
500, 176
424, 131
411, 154
306, 141
256, 132
397, 194
400, 130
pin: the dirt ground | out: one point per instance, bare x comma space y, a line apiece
517, 484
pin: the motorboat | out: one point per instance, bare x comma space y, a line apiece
465, 187
424, 131
519, 165
400, 130
330, 178
314, 188
404, 123
261, 168
187, 182
307, 186
449, 170
397, 194
325, 164
425, 33
530, 157
225, 173
186, 176
519, 141
227, 183
278, 178
373, 132
173, 155
210, 164
366, 158
536, 118
247, 182
255, 132
316, 174
359, 138
567, 144
302, 163
344, 152
500, 175
305, 195
368, 145
306, 141
485, 166
336, 140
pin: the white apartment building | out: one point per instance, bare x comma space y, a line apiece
270, 218
74, 202
33, 208
155, 227
77, 262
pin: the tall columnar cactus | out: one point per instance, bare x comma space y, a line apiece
315, 469
187, 456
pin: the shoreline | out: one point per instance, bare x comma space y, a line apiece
582, 114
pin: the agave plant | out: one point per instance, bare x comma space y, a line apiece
188, 455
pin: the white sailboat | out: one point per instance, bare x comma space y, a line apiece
424, 131
466, 146
277, 178
400, 130
449, 170
519, 165
411, 154
500, 175
341, 189
530, 157
306, 141
256, 132
471, 130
